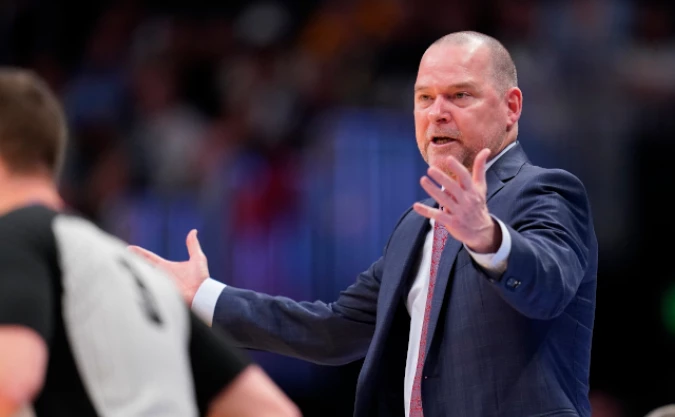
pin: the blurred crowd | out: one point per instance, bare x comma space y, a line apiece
221, 103
162, 96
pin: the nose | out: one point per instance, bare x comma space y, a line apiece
438, 111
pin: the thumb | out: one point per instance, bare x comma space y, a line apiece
193, 246
479, 166
149, 256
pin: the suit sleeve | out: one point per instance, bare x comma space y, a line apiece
26, 287
553, 245
326, 333
215, 362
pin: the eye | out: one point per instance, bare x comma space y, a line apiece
461, 95
424, 97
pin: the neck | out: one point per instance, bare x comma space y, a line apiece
505, 143
17, 192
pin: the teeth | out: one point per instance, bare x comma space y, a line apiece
442, 140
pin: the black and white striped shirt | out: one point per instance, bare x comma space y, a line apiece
121, 340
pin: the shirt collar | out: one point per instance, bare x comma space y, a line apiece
499, 155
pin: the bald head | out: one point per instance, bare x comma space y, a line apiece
503, 70
665, 411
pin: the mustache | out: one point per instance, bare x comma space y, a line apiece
444, 132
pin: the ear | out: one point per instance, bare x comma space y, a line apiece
514, 105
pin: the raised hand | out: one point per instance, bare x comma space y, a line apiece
464, 210
188, 275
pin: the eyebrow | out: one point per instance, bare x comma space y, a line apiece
458, 86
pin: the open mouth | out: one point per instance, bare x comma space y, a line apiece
441, 140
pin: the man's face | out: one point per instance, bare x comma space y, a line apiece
458, 110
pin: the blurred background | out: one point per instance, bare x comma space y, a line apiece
283, 132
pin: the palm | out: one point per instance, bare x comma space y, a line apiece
188, 275
464, 210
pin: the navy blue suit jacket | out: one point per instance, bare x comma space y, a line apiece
515, 346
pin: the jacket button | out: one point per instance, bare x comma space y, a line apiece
512, 283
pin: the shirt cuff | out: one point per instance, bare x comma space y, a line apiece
495, 262
206, 298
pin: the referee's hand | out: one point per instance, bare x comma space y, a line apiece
188, 275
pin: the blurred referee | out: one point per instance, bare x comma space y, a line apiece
87, 328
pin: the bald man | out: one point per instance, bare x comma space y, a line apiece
483, 301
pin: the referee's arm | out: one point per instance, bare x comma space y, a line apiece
23, 360
227, 383
26, 302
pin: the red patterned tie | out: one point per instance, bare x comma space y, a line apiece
440, 237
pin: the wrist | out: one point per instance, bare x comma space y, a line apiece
491, 239
190, 293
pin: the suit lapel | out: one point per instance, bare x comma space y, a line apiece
401, 256
501, 171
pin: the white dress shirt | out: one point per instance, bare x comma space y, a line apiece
417, 297
204, 303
